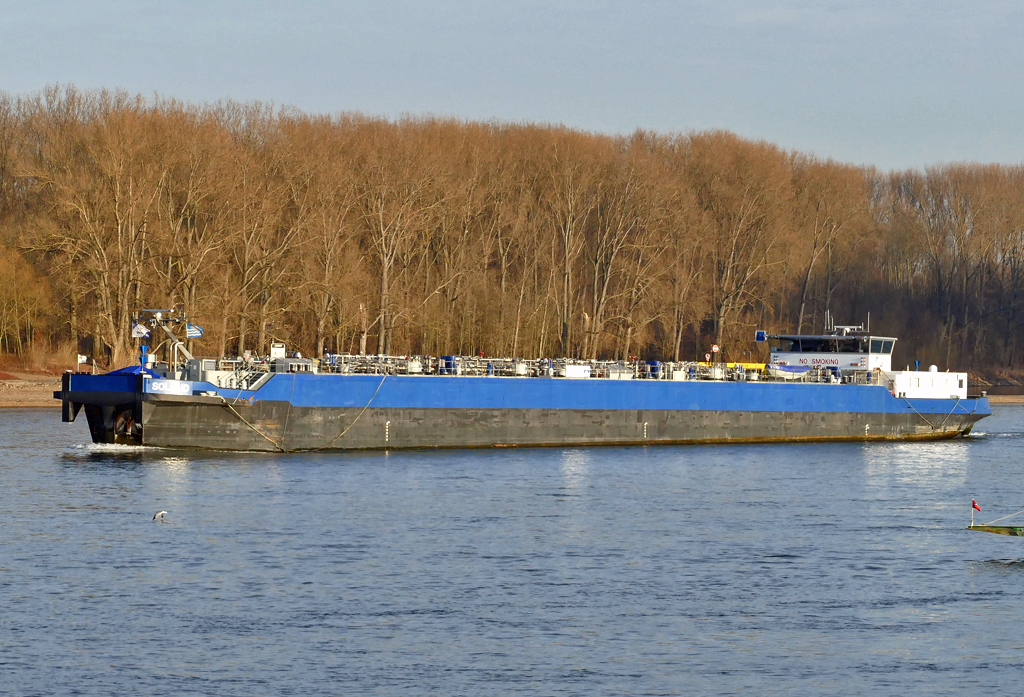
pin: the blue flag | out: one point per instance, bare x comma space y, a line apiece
193, 331
139, 330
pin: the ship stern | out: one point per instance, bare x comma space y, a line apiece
112, 405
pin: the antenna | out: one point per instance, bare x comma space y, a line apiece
869, 322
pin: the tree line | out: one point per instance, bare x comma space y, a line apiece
347, 233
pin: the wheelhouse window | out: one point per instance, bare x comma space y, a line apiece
829, 344
809, 345
881, 346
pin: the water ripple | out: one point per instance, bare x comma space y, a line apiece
810, 569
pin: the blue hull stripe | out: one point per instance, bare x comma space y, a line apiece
434, 392
438, 392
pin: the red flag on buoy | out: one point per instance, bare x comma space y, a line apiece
975, 506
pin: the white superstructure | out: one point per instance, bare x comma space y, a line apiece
843, 350
930, 384
849, 348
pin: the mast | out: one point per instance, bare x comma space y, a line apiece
177, 345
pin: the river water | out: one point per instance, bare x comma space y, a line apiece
746, 569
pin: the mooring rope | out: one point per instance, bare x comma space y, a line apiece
224, 403
338, 437
1004, 517
950, 411
943, 422
920, 414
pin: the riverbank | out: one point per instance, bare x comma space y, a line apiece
23, 390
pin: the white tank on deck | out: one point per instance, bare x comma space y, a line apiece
575, 371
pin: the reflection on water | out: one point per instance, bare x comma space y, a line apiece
749, 569
574, 467
937, 463
175, 463
171, 475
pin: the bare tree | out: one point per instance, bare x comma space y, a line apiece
743, 190
393, 198
571, 198
99, 166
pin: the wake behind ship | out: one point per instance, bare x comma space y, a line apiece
837, 386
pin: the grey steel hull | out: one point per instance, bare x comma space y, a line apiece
279, 426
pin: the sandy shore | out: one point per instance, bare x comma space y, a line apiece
29, 390
1006, 398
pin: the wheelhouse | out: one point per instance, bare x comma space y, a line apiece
848, 348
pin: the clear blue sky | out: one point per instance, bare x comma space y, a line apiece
894, 84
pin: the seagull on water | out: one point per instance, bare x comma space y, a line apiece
160, 516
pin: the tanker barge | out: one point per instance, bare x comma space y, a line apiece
837, 386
